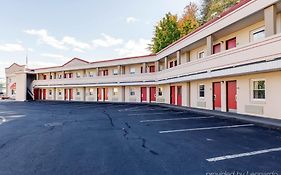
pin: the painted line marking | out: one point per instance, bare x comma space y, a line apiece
207, 128
233, 156
128, 109
2, 120
156, 113
172, 119
150, 109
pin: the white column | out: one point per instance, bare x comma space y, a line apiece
270, 20
209, 45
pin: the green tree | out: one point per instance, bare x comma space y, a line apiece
165, 32
212, 8
189, 20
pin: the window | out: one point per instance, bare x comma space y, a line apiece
51, 76
13, 92
115, 71
176, 63
259, 89
78, 75
45, 77
132, 70
132, 92
201, 91
160, 91
201, 54
91, 74
59, 92
258, 34
60, 76
91, 91
105, 73
115, 91
50, 92
77, 92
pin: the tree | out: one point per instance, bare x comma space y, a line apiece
212, 8
189, 20
165, 33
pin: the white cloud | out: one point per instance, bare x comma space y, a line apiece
131, 19
57, 56
78, 50
47, 39
134, 48
11, 47
38, 64
73, 42
107, 41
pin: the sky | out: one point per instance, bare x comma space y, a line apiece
52, 32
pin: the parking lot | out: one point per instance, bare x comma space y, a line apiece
99, 138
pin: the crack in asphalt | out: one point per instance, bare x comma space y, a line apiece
109, 117
143, 140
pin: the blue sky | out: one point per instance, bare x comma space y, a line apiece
54, 31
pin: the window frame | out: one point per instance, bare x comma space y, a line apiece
132, 72
132, 90
199, 91
252, 90
255, 31
115, 93
200, 52
115, 73
91, 91
160, 90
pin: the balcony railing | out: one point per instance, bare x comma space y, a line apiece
265, 49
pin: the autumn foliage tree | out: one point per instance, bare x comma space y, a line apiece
166, 32
170, 28
189, 20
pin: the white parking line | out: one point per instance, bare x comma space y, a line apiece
2, 120
131, 108
207, 128
172, 119
155, 113
215, 159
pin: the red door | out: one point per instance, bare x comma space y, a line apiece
231, 96
172, 95
231, 43
44, 94
40, 94
36, 93
217, 96
105, 94
99, 94
152, 94
143, 94
179, 95
70, 94
152, 69
171, 64
65, 94
216, 48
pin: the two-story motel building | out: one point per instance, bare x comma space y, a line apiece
232, 64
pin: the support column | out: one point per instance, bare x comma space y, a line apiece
179, 57
97, 71
55, 94
209, 45
156, 66
166, 63
119, 70
84, 94
270, 20
144, 69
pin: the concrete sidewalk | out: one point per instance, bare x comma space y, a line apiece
268, 122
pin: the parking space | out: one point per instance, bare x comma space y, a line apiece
103, 138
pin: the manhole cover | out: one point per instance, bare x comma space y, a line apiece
53, 124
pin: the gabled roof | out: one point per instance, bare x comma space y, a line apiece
76, 60
15, 64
